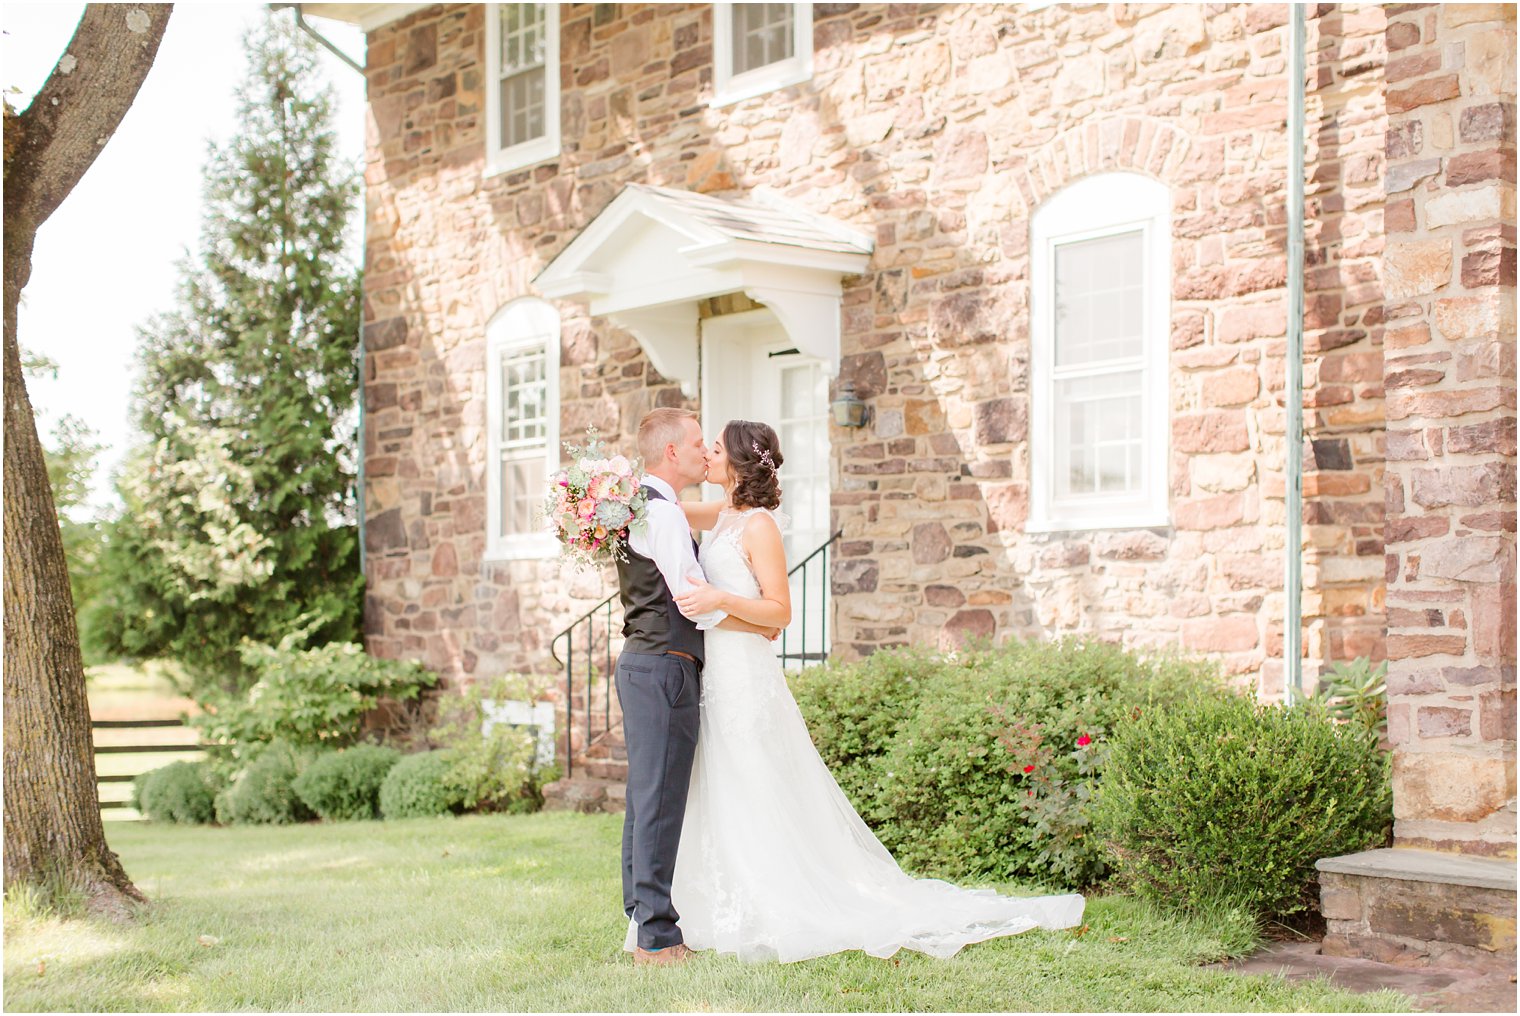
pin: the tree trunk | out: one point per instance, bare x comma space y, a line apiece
53, 832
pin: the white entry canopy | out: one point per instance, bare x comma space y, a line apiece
651, 254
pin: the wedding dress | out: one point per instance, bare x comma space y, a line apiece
774, 863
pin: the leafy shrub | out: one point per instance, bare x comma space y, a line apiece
345, 785
1223, 800
969, 764
182, 792
495, 770
417, 787
1356, 694
264, 792
306, 697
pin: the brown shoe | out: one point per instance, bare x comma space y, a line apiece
667, 957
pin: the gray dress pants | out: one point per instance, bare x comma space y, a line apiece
659, 696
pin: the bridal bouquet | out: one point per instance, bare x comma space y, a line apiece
594, 502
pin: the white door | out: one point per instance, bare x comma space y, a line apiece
751, 370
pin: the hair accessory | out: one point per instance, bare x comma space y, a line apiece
765, 456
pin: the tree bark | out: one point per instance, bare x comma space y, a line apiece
53, 832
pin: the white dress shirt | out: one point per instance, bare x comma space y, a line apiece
666, 540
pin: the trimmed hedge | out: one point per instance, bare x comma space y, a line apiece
181, 792
1224, 800
264, 792
345, 785
418, 787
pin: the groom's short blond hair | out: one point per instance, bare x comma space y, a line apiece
661, 427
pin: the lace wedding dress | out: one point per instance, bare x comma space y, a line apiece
774, 863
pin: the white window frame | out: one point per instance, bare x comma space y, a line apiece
527, 323
542, 149
729, 88
1099, 206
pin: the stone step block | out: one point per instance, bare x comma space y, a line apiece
1417, 907
579, 793
604, 769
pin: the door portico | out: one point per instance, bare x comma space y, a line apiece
648, 262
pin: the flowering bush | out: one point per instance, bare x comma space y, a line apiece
594, 502
984, 762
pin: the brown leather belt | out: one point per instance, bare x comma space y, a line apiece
684, 656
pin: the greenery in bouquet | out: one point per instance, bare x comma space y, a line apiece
594, 502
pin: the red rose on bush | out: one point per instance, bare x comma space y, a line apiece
1083, 741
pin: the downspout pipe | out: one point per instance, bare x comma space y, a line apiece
1293, 631
326, 44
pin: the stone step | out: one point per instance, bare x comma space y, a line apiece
601, 749
585, 794
1419, 907
603, 769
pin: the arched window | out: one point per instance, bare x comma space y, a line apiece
1100, 303
522, 413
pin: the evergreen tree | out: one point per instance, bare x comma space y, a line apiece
240, 503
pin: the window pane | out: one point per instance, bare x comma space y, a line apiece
522, 107
1098, 436
522, 492
525, 399
1099, 300
762, 34
522, 37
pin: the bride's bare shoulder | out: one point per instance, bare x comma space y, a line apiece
763, 526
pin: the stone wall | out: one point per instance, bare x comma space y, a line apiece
1450, 375
937, 129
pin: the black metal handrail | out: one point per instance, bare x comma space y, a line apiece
589, 620
804, 657
570, 635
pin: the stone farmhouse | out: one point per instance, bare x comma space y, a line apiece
1012, 282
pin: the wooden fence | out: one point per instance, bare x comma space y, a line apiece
123, 770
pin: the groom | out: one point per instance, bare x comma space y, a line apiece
659, 679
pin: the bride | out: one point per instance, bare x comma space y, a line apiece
774, 863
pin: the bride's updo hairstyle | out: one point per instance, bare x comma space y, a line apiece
754, 455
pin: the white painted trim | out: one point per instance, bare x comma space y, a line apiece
1097, 206
729, 88
522, 324
654, 296
529, 153
367, 17
668, 335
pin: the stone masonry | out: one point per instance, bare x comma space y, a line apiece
1446, 892
1450, 377
938, 129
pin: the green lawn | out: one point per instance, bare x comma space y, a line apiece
523, 913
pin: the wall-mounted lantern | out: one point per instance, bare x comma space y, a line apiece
849, 410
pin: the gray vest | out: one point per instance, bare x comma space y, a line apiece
652, 623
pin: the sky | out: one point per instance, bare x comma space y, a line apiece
105, 262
